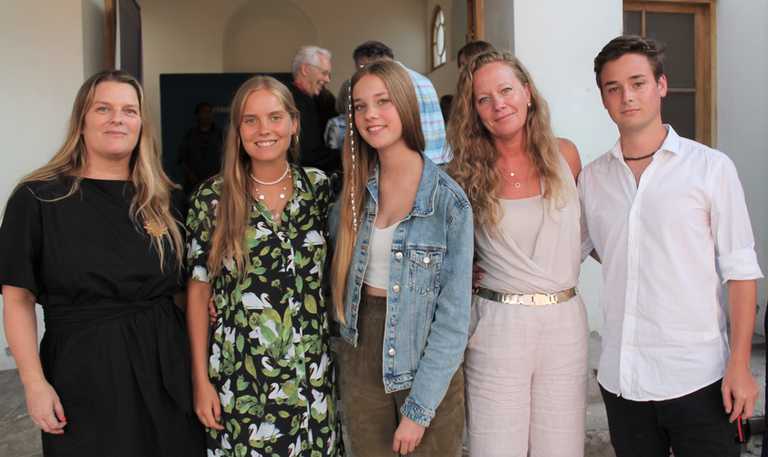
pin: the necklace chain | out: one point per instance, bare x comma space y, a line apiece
507, 174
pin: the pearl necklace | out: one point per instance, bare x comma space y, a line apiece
260, 194
271, 183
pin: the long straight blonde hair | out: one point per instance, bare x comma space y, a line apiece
403, 96
151, 203
232, 210
474, 164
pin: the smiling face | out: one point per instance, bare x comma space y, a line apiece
376, 117
630, 92
266, 127
500, 99
112, 123
318, 76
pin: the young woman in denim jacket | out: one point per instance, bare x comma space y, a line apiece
401, 278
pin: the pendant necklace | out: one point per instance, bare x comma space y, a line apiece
511, 174
260, 195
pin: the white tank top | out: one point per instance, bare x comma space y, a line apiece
380, 251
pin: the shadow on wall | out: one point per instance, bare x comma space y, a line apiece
272, 39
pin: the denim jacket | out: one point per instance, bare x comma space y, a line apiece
429, 293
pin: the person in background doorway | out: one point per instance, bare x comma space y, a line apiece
336, 129
200, 150
470, 50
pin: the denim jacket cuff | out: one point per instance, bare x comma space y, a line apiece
416, 412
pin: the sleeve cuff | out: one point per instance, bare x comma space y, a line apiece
416, 413
739, 265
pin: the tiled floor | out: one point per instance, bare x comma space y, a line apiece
19, 438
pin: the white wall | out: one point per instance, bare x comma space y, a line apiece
500, 23
742, 109
561, 66
94, 34
200, 36
43, 66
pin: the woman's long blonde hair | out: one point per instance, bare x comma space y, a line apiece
232, 210
474, 164
403, 96
151, 203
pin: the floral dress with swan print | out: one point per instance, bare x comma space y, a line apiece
270, 357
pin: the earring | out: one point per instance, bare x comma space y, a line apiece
529, 103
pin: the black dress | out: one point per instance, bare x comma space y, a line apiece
115, 347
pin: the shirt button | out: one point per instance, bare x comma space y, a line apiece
398, 255
391, 352
426, 259
396, 288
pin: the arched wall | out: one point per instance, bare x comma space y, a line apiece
201, 36
254, 41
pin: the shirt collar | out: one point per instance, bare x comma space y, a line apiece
671, 144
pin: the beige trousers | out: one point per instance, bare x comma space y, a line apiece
526, 371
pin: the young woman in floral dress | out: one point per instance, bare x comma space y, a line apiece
263, 381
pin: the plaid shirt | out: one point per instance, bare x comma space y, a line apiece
432, 123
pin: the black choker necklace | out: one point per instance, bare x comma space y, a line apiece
638, 158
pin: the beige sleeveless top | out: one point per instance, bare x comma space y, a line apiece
546, 258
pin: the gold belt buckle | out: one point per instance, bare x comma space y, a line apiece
544, 299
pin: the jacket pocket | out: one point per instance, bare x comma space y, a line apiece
424, 265
424, 270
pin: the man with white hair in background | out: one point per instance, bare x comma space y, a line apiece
311, 69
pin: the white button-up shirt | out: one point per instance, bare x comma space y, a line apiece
661, 243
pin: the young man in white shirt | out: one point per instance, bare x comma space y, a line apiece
664, 214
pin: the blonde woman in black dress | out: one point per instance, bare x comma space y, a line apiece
91, 236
